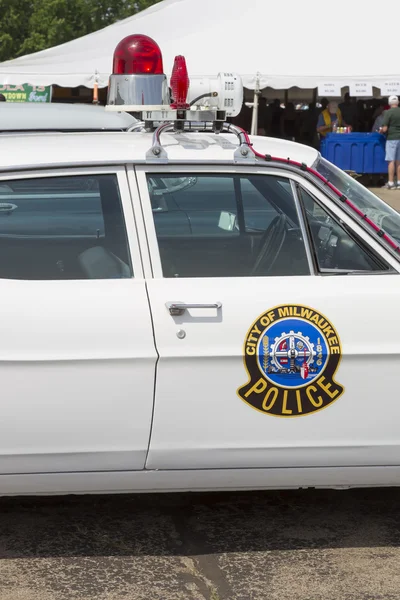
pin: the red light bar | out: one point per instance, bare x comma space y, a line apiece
180, 84
137, 55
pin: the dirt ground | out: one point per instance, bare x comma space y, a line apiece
303, 545
392, 197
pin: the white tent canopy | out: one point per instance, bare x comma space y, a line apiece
304, 44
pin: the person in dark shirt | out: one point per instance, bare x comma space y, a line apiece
360, 116
274, 118
324, 104
378, 117
289, 122
3, 98
348, 110
309, 120
262, 116
391, 127
243, 119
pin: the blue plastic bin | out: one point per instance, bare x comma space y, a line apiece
359, 152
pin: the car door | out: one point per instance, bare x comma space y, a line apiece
274, 352
77, 355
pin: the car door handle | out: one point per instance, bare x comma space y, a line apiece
7, 207
176, 309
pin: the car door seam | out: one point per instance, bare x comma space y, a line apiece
146, 291
155, 376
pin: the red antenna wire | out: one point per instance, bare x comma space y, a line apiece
334, 189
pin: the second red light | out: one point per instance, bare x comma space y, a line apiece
180, 84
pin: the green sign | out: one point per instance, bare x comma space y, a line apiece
26, 93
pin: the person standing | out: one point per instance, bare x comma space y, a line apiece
308, 130
274, 119
324, 104
391, 127
348, 110
288, 122
329, 119
378, 117
262, 116
3, 98
361, 117
243, 119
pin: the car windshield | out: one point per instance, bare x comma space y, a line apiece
375, 208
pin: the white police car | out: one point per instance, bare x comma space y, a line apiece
193, 312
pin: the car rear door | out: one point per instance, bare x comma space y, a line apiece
266, 360
77, 355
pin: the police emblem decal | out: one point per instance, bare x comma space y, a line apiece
291, 354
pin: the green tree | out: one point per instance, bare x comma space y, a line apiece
31, 25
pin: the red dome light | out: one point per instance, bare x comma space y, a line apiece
180, 83
137, 55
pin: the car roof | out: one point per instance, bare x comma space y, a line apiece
34, 116
30, 151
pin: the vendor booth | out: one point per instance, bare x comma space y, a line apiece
363, 153
266, 46
273, 51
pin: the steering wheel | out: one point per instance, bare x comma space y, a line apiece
271, 244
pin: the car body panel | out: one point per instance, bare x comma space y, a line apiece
206, 480
199, 420
78, 370
25, 117
21, 151
106, 391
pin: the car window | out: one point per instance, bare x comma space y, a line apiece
193, 205
375, 208
257, 212
211, 225
69, 227
335, 246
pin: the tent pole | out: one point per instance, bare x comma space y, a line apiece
254, 120
96, 88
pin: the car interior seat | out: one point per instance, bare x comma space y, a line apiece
99, 263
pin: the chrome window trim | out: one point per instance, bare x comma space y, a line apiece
304, 230
176, 163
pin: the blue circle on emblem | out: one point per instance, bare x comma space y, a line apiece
292, 353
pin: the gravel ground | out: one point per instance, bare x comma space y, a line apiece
304, 545
391, 197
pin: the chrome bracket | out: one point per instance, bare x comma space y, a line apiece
157, 154
242, 155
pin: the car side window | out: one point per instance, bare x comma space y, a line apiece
69, 227
225, 225
336, 248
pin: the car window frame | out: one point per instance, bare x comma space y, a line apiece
119, 171
145, 222
137, 176
239, 206
360, 242
352, 224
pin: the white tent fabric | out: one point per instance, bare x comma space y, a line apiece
290, 44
